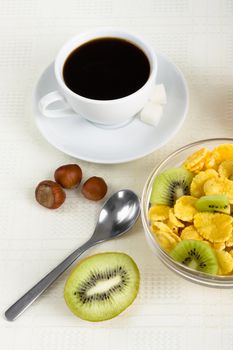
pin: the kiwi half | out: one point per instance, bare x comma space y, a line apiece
197, 255
102, 286
214, 203
170, 185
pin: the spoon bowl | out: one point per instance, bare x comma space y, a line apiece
117, 216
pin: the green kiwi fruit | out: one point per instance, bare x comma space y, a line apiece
170, 185
196, 255
102, 286
214, 203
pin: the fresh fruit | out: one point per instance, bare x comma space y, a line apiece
50, 194
214, 203
170, 185
196, 255
68, 176
102, 286
95, 188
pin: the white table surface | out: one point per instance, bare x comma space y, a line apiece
170, 313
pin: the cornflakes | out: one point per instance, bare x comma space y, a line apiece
166, 241
225, 169
211, 162
158, 225
219, 246
175, 237
213, 176
158, 212
184, 208
214, 227
229, 242
173, 227
197, 168
219, 186
223, 152
199, 180
196, 161
190, 232
225, 261
173, 219
208, 243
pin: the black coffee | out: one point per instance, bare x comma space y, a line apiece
106, 69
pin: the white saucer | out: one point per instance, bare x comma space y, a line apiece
83, 140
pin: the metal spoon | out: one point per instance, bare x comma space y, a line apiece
117, 216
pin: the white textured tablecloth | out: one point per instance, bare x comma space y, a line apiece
170, 313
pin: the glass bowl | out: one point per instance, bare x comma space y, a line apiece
175, 160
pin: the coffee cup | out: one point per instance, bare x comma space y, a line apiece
109, 112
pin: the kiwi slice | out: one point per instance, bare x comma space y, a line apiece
102, 286
170, 185
214, 203
196, 255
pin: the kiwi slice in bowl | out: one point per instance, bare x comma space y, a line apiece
170, 185
197, 255
102, 286
213, 203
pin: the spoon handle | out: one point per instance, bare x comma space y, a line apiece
32, 294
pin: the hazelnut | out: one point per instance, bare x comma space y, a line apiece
68, 176
50, 194
94, 188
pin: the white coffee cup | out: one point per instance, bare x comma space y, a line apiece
106, 113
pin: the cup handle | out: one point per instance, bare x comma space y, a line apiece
61, 112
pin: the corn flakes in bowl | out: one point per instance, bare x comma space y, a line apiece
187, 212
